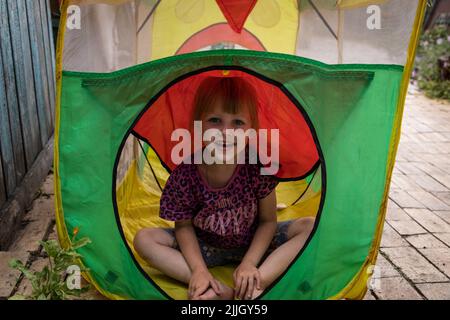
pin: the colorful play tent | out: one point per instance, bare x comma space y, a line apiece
331, 75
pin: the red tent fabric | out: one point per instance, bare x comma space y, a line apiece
297, 150
236, 12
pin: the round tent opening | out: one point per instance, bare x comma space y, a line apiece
144, 161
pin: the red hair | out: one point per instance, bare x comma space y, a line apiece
232, 93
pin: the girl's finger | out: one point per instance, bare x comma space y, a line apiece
258, 281
249, 292
243, 288
200, 290
238, 285
216, 287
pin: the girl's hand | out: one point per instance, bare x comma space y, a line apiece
200, 281
246, 279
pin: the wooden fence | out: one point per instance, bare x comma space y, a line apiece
27, 106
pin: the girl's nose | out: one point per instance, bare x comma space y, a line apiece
227, 127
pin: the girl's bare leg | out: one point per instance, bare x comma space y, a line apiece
156, 246
277, 262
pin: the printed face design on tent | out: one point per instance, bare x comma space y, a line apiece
334, 88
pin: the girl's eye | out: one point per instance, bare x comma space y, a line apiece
214, 120
239, 122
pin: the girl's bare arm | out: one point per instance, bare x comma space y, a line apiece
265, 231
187, 240
201, 278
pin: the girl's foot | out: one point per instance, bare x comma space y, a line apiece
210, 294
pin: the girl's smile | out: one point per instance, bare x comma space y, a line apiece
217, 118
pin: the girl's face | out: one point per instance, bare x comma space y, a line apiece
217, 118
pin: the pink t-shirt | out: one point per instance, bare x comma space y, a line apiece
225, 217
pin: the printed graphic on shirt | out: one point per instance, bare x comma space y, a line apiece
225, 217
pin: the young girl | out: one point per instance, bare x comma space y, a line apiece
223, 213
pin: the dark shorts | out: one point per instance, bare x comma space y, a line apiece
214, 256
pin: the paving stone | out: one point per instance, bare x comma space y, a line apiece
440, 257
420, 127
404, 200
444, 215
429, 200
427, 182
47, 187
444, 196
8, 276
28, 238
408, 168
414, 265
393, 185
445, 167
400, 157
446, 135
396, 170
385, 269
407, 227
405, 183
38, 219
53, 234
396, 288
407, 155
396, 214
444, 237
429, 168
369, 296
444, 180
435, 291
415, 147
390, 238
443, 147
428, 220
432, 136
425, 241
391, 204
435, 159
437, 147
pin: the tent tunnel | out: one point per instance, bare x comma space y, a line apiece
330, 75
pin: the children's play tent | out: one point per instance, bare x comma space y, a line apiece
331, 75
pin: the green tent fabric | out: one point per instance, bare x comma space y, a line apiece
351, 111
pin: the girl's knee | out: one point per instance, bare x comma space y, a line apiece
140, 238
147, 237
